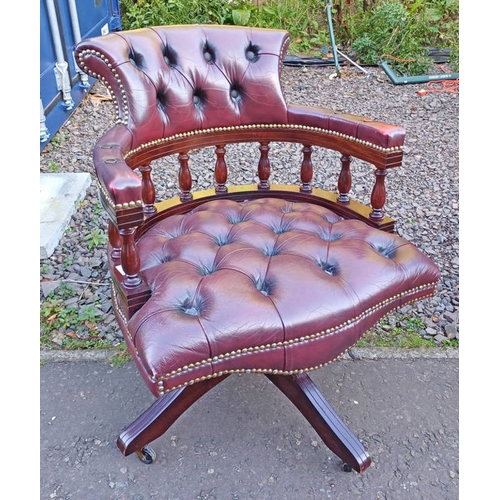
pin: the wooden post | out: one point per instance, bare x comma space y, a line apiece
185, 179
220, 170
148, 190
264, 169
115, 240
378, 195
345, 179
130, 259
306, 169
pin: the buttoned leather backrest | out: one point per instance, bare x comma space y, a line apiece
226, 76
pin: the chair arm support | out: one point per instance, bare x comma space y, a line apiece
120, 187
359, 129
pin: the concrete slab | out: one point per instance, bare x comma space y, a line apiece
59, 195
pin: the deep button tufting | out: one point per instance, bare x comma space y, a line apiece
191, 307
263, 286
331, 268
329, 236
281, 228
331, 218
236, 91
136, 59
252, 52
206, 270
162, 99
236, 218
221, 241
209, 53
270, 251
170, 56
199, 98
388, 250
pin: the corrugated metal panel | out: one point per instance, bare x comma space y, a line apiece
63, 23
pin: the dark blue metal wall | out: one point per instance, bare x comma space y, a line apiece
63, 23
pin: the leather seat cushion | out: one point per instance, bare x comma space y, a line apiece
265, 286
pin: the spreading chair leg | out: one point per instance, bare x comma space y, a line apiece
302, 392
158, 418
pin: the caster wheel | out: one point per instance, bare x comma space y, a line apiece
147, 455
346, 468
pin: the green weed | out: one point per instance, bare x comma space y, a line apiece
95, 238
53, 167
71, 326
450, 343
97, 211
404, 333
60, 137
122, 356
405, 29
304, 19
91, 343
67, 262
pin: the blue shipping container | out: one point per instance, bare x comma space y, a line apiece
63, 23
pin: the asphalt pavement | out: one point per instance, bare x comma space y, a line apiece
244, 439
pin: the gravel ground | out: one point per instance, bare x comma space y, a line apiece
422, 195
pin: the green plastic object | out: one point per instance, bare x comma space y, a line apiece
328, 7
400, 80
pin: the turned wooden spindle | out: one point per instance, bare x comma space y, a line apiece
148, 191
130, 259
115, 240
345, 179
306, 169
378, 195
220, 169
185, 179
264, 168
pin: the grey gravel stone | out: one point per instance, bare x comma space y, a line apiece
440, 338
450, 331
422, 195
